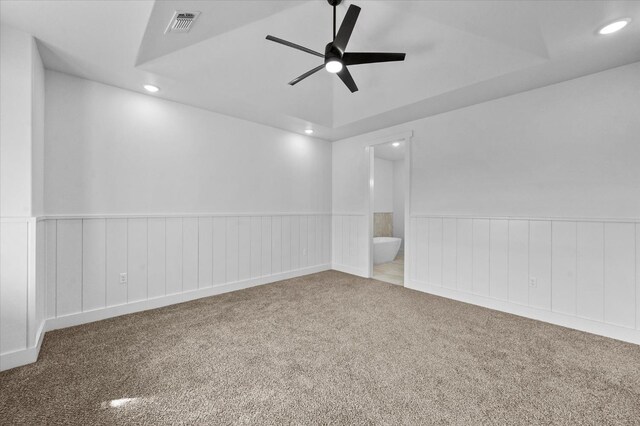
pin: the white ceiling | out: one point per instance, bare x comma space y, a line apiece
458, 53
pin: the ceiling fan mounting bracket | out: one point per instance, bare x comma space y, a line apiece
334, 2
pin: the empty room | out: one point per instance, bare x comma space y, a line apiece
339, 212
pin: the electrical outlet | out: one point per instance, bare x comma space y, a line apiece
533, 282
123, 278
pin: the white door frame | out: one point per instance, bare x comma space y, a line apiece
401, 137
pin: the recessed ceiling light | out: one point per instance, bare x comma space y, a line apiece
396, 144
309, 131
334, 66
151, 88
614, 26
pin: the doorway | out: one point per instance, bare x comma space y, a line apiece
389, 178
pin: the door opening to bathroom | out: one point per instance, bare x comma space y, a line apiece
388, 208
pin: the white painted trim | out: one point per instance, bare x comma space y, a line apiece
349, 270
171, 299
371, 207
178, 215
391, 138
541, 218
408, 234
582, 324
31, 281
406, 137
16, 219
24, 356
349, 214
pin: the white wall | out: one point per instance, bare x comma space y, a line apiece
15, 122
398, 199
112, 151
383, 186
567, 152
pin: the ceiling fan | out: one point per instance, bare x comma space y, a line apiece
335, 57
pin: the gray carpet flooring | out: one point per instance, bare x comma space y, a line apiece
327, 348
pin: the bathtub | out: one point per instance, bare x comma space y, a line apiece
385, 249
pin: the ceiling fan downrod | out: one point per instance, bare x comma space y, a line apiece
334, 3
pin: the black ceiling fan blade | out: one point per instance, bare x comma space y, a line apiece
306, 74
346, 28
295, 46
346, 78
357, 58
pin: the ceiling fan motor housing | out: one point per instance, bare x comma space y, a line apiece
331, 53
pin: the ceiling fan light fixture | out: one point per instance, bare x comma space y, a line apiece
333, 66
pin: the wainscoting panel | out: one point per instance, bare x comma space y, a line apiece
22, 290
205, 252
116, 262
286, 243
619, 274
174, 255
449, 253
219, 250
590, 271
267, 246
350, 244
564, 260
481, 257
304, 241
94, 264
14, 237
295, 242
499, 259
434, 267
464, 238
540, 264
166, 257
69, 268
518, 261
276, 245
577, 273
137, 260
189, 254
156, 258
41, 283
51, 240
421, 252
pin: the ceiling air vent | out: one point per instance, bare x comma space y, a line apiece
181, 22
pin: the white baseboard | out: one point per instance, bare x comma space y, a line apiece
350, 270
25, 356
29, 355
172, 299
577, 323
